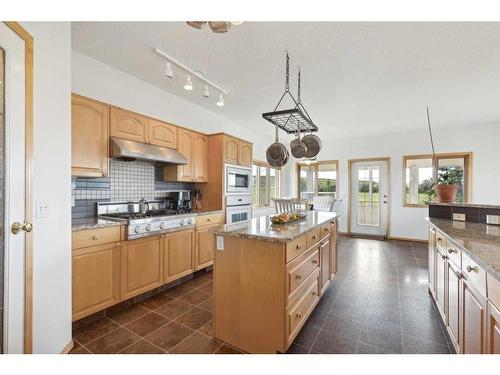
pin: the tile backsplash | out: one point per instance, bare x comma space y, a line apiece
127, 181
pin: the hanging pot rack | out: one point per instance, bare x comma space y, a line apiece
293, 120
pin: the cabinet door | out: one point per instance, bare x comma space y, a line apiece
453, 310
245, 154
441, 280
89, 137
178, 255
129, 125
324, 253
200, 157
334, 250
473, 317
185, 147
205, 247
162, 134
432, 260
141, 266
95, 279
231, 147
493, 330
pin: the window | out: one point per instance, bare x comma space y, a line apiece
319, 178
419, 176
266, 184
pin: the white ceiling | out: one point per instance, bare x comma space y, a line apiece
357, 78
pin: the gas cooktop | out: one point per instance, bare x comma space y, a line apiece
149, 214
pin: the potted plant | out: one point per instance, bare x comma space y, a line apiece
449, 179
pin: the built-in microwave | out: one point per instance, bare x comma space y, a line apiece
238, 179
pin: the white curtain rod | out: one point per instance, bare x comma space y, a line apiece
190, 71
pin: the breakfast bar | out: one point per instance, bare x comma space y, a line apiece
269, 277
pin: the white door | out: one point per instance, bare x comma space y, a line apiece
369, 197
12, 206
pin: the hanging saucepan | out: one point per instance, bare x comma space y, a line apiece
313, 144
277, 154
298, 147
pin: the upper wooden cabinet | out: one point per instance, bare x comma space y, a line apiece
200, 157
89, 137
231, 146
129, 125
245, 154
162, 134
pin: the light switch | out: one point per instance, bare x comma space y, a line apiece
458, 217
42, 209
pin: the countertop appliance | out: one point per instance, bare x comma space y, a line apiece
166, 215
238, 208
238, 179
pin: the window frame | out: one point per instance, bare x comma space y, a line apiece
316, 165
262, 164
467, 156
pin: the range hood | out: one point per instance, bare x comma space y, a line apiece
124, 149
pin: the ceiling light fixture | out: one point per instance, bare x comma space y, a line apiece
218, 27
190, 73
188, 85
168, 71
220, 101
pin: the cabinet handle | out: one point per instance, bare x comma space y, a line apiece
439, 239
444, 257
298, 247
118, 244
95, 237
314, 293
433, 230
315, 261
459, 275
470, 269
314, 237
298, 315
451, 251
298, 277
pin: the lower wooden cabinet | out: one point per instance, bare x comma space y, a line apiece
493, 330
178, 255
141, 266
95, 279
441, 267
432, 260
334, 250
453, 304
204, 247
473, 312
324, 277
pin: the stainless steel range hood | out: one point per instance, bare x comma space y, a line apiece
123, 149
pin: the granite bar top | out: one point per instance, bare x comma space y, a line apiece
471, 205
480, 241
261, 228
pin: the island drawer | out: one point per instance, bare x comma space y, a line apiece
295, 248
91, 237
325, 230
440, 241
313, 237
300, 269
454, 254
493, 290
474, 272
208, 219
298, 313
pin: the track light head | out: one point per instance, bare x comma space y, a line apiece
206, 91
188, 85
220, 100
168, 71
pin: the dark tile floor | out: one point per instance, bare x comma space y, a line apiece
378, 303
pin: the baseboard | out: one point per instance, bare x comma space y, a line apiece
67, 348
347, 234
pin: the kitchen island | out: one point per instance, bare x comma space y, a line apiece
268, 278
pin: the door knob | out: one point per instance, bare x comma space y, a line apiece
17, 226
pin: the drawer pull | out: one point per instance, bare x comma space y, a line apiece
95, 237
298, 277
470, 269
439, 239
314, 261
299, 247
459, 275
314, 293
298, 315
433, 230
325, 229
118, 244
444, 257
314, 237
451, 251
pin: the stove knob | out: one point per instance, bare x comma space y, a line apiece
162, 225
137, 229
148, 227
182, 222
190, 221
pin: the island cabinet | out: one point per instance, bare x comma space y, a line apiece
493, 316
267, 282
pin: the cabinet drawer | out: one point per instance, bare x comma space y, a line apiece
440, 241
325, 230
313, 237
300, 269
295, 248
91, 237
209, 219
475, 273
493, 290
298, 313
454, 254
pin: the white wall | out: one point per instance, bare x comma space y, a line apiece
52, 182
94, 79
408, 222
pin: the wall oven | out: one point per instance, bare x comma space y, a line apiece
238, 179
238, 208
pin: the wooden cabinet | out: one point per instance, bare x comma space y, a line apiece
324, 277
473, 319
432, 260
162, 134
204, 247
178, 255
89, 137
334, 249
141, 266
200, 158
453, 304
231, 146
245, 153
95, 279
493, 330
441, 280
129, 125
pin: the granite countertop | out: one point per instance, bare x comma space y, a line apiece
92, 223
261, 228
480, 241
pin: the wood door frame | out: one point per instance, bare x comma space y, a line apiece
28, 216
349, 165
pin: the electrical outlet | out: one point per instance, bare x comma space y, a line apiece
458, 217
220, 243
42, 209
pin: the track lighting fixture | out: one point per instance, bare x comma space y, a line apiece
188, 85
168, 71
220, 101
206, 91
